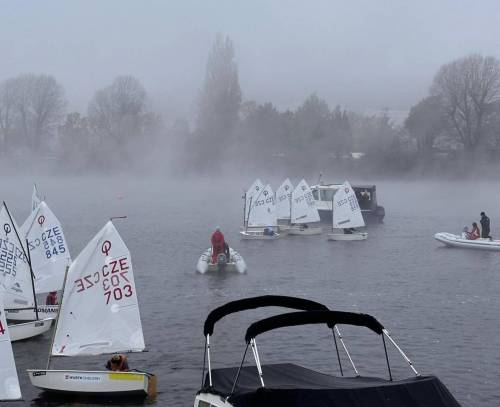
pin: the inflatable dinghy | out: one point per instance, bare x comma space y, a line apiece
235, 263
452, 240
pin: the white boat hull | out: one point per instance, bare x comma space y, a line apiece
258, 235
208, 399
297, 230
452, 240
30, 329
44, 311
348, 237
92, 382
235, 264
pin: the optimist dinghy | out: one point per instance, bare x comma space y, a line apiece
99, 314
261, 220
235, 263
293, 385
9, 382
49, 257
452, 240
16, 280
346, 215
302, 212
283, 200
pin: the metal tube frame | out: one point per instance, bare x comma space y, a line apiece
255, 351
337, 350
387, 358
406, 358
238, 373
346, 351
209, 362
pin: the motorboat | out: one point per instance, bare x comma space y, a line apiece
346, 216
288, 384
99, 314
367, 196
235, 263
452, 240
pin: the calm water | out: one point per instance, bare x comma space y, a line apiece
440, 304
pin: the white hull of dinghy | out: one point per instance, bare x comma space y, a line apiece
44, 311
348, 236
91, 382
297, 230
258, 235
27, 330
452, 240
235, 264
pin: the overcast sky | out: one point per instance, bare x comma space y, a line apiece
360, 54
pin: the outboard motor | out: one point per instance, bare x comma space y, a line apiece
221, 261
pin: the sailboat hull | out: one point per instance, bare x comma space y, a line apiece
27, 330
348, 237
94, 382
44, 311
297, 230
258, 235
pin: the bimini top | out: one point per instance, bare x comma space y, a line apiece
296, 386
258, 302
330, 318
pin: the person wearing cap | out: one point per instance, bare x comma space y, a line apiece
217, 244
117, 363
485, 226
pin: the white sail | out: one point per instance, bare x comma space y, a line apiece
48, 249
9, 382
15, 273
99, 309
283, 198
252, 193
303, 204
346, 210
263, 209
35, 198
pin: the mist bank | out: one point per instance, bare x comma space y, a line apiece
452, 133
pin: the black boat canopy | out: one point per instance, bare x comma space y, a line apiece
258, 302
331, 318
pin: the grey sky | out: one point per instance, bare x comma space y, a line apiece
361, 54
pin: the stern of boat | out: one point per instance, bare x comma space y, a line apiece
210, 400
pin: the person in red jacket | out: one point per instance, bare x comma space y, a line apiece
217, 244
51, 298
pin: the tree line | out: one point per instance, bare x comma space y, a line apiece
457, 126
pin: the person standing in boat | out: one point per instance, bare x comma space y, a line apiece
485, 226
217, 244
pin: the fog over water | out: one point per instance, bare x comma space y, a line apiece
440, 304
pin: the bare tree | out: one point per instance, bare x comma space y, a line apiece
467, 87
7, 114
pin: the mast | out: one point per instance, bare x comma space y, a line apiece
32, 279
249, 208
25, 255
244, 208
332, 209
57, 319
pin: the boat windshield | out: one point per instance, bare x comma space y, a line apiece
327, 194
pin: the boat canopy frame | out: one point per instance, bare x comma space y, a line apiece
259, 302
330, 318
